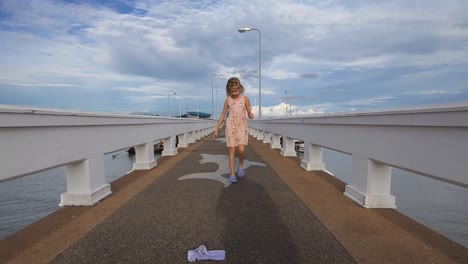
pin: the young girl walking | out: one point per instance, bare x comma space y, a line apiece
237, 134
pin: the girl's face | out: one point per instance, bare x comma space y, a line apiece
234, 91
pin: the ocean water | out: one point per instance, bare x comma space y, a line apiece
437, 205
26, 200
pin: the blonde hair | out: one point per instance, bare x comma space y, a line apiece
233, 81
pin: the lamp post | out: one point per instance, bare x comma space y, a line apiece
212, 104
288, 95
169, 101
242, 30
175, 111
216, 107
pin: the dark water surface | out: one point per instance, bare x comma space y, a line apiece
26, 200
438, 205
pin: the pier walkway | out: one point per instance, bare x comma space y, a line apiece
278, 213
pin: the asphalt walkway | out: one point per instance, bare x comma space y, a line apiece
257, 220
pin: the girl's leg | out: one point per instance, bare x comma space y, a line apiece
240, 169
241, 149
232, 153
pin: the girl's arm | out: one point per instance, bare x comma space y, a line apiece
249, 109
221, 118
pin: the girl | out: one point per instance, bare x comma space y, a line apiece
236, 124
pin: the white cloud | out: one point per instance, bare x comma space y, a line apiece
160, 87
364, 62
284, 110
433, 92
369, 101
179, 44
281, 74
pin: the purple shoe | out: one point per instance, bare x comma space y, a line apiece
240, 172
232, 179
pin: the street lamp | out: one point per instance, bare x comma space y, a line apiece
242, 30
212, 111
216, 108
288, 102
175, 111
169, 101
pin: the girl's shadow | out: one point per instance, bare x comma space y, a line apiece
254, 231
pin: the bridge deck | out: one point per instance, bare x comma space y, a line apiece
279, 213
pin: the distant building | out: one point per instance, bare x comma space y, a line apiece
200, 115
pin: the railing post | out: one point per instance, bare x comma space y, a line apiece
169, 147
266, 137
260, 135
144, 154
287, 149
183, 140
275, 141
255, 133
86, 183
370, 184
191, 138
312, 157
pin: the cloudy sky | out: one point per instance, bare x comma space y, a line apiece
318, 56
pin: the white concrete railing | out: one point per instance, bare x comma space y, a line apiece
431, 141
36, 140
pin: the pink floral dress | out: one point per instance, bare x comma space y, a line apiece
236, 124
